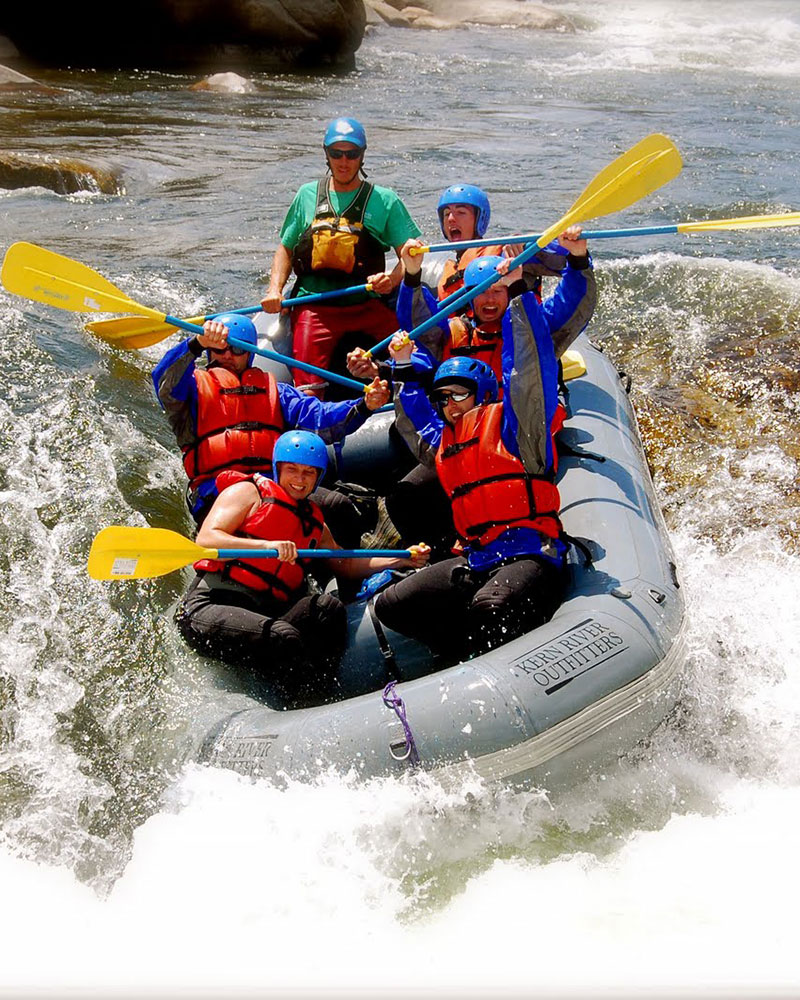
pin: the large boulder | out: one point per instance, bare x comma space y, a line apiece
210, 35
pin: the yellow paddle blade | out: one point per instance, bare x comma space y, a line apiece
122, 553
651, 146
45, 276
134, 332
641, 170
745, 222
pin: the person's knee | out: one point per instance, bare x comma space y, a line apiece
388, 607
330, 612
501, 610
491, 600
183, 621
329, 622
284, 644
496, 615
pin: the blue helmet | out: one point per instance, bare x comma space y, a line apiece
302, 447
478, 270
471, 373
466, 194
345, 130
241, 328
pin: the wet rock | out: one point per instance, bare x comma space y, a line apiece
373, 17
455, 13
387, 14
421, 18
11, 80
225, 83
60, 174
210, 35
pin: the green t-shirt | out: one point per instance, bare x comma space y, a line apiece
386, 218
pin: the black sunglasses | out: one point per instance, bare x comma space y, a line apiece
228, 347
350, 154
445, 395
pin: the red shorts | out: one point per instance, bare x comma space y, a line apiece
316, 330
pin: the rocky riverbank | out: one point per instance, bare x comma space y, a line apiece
443, 14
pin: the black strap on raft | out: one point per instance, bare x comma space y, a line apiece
563, 389
581, 547
567, 449
388, 653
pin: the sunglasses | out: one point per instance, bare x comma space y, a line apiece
237, 351
350, 154
446, 395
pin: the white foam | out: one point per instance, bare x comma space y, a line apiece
244, 887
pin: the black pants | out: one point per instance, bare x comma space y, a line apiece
458, 612
299, 644
421, 511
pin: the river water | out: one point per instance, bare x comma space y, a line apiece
127, 867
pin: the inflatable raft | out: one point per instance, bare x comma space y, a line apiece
564, 699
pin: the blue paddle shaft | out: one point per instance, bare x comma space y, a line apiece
334, 293
316, 553
294, 363
589, 234
302, 300
182, 324
251, 348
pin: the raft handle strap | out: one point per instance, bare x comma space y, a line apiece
388, 653
579, 546
393, 700
567, 450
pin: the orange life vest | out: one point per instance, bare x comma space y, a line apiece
238, 422
489, 489
452, 278
483, 342
278, 518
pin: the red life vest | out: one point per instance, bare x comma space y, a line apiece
278, 518
238, 422
486, 344
489, 489
483, 342
452, 278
